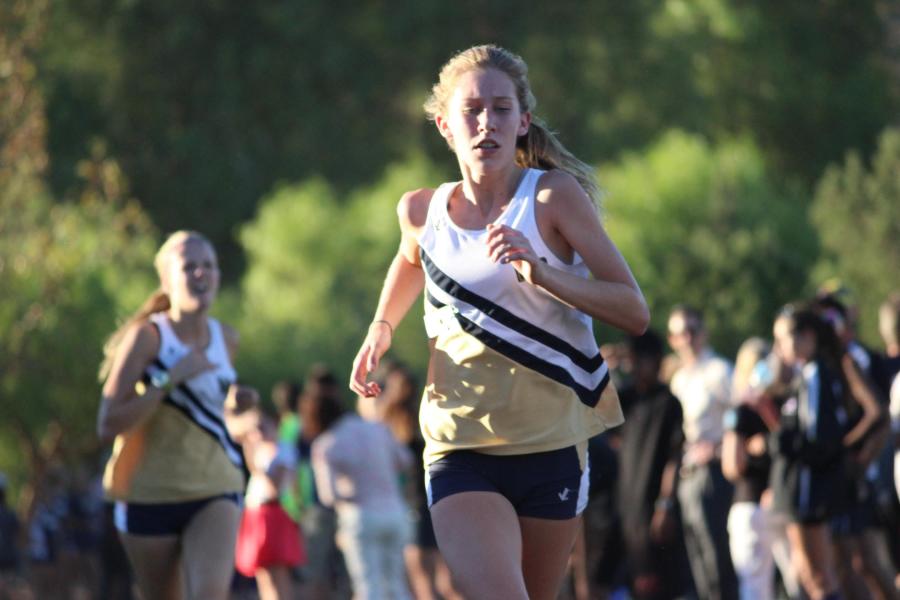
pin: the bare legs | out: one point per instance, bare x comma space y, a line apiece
156, 566
275, 583
811, 553
200, 562
494, 553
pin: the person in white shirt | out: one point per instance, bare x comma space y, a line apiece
702, 384
357, 466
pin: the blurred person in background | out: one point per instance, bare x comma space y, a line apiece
269, 543
82, 530
358, 466
398, 408
863, 555
597, 564
651, 444
517, 265
702, 383
285, 396
615, 354
754, 531
175, 472
838, 304
324, 576
48, 513
888, 363
812, 446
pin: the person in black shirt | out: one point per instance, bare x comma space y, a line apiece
817, 440
752, 527
651, 443
862, 549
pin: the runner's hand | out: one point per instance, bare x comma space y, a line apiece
377, 342
508, 245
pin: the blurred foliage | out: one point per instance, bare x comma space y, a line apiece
316, 262
806, 80
23, 125
68, 269
208, 104
709, 225
857, 213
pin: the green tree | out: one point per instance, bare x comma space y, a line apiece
23, 159
856, 212
316, 262
804, 81
708, 226
209, 104
68, 270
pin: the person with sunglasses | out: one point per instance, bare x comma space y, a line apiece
702, 384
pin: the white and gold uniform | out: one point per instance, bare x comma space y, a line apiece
513, 370
183, 452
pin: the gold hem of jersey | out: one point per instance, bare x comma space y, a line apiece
168, 459
478, 399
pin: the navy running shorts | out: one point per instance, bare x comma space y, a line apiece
165, 518
544, 485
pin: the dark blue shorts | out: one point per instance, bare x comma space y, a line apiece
544, 485
165, 518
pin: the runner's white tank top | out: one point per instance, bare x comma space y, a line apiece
183, 451
513, 370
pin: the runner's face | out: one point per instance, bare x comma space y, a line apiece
484, 120
192, 277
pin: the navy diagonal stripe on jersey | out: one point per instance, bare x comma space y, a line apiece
198, 404
186, 411
588, 396
506, 318
195, 403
